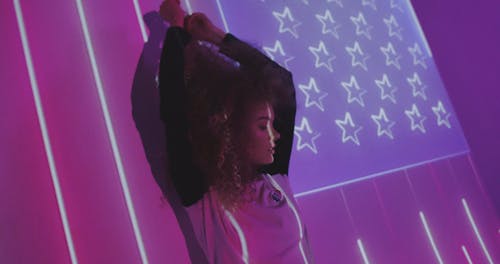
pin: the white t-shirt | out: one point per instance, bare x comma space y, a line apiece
267, 229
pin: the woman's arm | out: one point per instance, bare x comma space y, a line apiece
186, 177
280, 80
267, 72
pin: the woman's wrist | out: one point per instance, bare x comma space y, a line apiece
178, 21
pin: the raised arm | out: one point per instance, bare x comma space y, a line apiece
280, 80
267, 72
186, 177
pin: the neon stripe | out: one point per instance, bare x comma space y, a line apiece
241, 235
295, 212
464, 250
420, 31
45, 134
222, 16
111, 133
188, 6
138, 13
476, 230
363, 253
429, 236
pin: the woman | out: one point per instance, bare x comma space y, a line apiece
229, 141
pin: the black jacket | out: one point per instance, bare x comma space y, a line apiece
188, 180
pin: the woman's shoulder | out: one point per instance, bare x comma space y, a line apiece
278, 175
280, 178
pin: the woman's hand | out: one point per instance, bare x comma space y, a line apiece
171, 11
201, 28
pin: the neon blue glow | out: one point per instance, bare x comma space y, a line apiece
111, 133
431, 239
384, 125
313, 95
284, 18
362, 27
305, 133
363, 253
45, 134
476, 231
324, 60
138, 13
277, 54
417, 24
349, 129
466, 254
350, 59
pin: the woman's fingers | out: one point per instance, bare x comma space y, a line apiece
172, 12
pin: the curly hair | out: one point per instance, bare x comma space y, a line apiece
221, 96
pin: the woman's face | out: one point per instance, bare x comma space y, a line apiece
261, 135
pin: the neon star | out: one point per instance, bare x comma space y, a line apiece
418, 87
396, 4
349, 129
418, 56
322, 49
306, 138
313, 95
386, 89
354, 92
441, 114
384, 125
338, 2
277, 54
329, 26
362, 28
391, 57
417, 120
393, 27
287, 22
370, 3
358, 56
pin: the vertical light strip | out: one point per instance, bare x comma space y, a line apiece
188, 6
429, 236
476, 230
295, 212
464, 250
241, 235
138, 13
223, 17
111, 134
45, 134
363, 253
476, 176
419, 27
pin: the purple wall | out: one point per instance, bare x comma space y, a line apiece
465, 38
77, 175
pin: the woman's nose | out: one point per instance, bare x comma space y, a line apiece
276, 135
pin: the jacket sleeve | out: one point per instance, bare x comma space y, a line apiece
281, 83
186, 177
